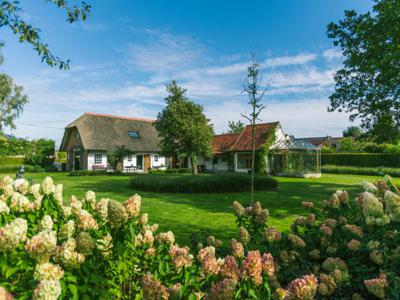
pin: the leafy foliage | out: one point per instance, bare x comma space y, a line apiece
183, 127
235, 127
12, 101
352, 131
377, 171
11, 16
367, 86
361, 159
116, 156
100, 248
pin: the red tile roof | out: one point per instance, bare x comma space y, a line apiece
223, 142
243, 141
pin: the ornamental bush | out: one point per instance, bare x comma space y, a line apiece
352, 247
104, 249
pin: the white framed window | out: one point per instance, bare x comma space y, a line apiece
129, 158
98, 158
156, 158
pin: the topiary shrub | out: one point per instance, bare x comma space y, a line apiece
210, 183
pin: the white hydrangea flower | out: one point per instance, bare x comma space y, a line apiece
58, 194
66, 211
48, 271
75, 204
43, 245
12, 234
20, 203
90, 197
47, 187
46, 223
7, 180
21, 185
34, 189
67, 230
369, 187
4, 209
101, 208
392, 202
372, 210
8, 190
47, 290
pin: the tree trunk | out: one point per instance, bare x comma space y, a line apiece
253, 155
193, 161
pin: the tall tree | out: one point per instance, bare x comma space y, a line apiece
12, 101
183, 127
235, 127
11, 16
367, 86
352, 131
252, 87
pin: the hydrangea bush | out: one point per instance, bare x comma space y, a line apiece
54, 248
352, 247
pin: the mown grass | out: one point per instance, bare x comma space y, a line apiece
185, 213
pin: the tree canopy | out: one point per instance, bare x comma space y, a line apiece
183, 127
235, 127
11, 16
12, 101
352, 131
367, 86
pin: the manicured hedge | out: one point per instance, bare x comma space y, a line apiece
11, 160
394, 172
14, 168
362, 159
171, 171
210, 183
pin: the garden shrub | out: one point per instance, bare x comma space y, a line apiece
352, 247
103, 249
14, 168
395, 172
11, 160
178, 170
210, 183
361, 159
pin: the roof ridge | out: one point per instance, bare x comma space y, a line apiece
226, 134
265, 123
119, 117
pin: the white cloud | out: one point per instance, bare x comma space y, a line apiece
307, 76
332, 54
302, 118
300, 59
164, 52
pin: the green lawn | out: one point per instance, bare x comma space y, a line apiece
185, 213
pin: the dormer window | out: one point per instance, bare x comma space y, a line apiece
134, 134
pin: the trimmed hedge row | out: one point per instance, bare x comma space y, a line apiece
11, 160
210, 183
362, 159
14, 168
394, 172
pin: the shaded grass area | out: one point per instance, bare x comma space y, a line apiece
202, 183
185, 213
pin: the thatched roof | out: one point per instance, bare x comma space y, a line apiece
105, 132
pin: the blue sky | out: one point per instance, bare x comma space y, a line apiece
126, 52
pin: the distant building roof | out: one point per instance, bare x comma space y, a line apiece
243, 141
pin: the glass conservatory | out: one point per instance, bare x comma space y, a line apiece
298, 158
